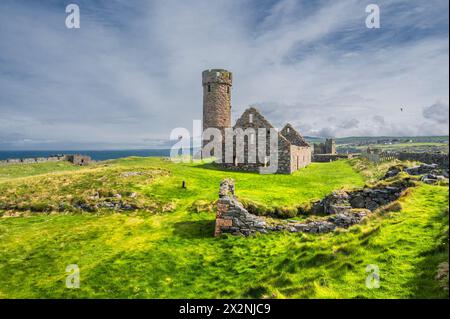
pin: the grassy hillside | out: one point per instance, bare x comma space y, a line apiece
164, 248
158, 183
8, 172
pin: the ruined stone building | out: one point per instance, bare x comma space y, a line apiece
75, 159
78, 159
329, 147
293, 151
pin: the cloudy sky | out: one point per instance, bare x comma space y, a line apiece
132, 72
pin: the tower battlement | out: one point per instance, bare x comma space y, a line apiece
219, 76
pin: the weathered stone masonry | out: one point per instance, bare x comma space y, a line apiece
293, 151
75, 159
344, 209
440, 159
217, 99
231, 215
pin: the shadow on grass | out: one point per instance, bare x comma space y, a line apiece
425, 284
194, 229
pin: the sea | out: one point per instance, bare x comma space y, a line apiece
95, 155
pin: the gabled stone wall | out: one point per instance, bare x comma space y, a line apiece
300, 157
290, 155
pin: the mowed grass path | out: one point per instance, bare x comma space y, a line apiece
173, 255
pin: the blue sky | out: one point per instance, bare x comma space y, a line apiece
132, 72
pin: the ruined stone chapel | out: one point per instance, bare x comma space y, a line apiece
293, 151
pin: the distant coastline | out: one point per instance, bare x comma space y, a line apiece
95, 155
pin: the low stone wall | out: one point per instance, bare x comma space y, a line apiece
76, 159
323, 158
56, 158
440, 159
367, 198
232, 217
345, 209
431, 173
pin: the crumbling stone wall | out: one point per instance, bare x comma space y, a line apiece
232, 217
329, 147
300, 150
429, 158
325, 158
344, 209
76, 159
366, 198
431, 173
55, 158
290, 156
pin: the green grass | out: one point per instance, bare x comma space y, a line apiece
8, 172
408, 147
173, 254
161, 181
202, 180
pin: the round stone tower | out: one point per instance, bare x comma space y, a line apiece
217, 99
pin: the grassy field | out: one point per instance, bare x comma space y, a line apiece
165, 249
8, 172
160, 183
400, 147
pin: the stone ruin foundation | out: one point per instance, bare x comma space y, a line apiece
232, 217
340, 209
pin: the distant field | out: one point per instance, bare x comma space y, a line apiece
167, 250
8, 172
399, 147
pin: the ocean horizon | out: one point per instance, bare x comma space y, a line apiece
100, 155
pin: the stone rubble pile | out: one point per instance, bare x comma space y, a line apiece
422, 169
342, 220
234, 219
432, 173
340, 202
372, 198
392, 172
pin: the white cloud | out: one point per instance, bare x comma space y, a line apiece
131, 74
